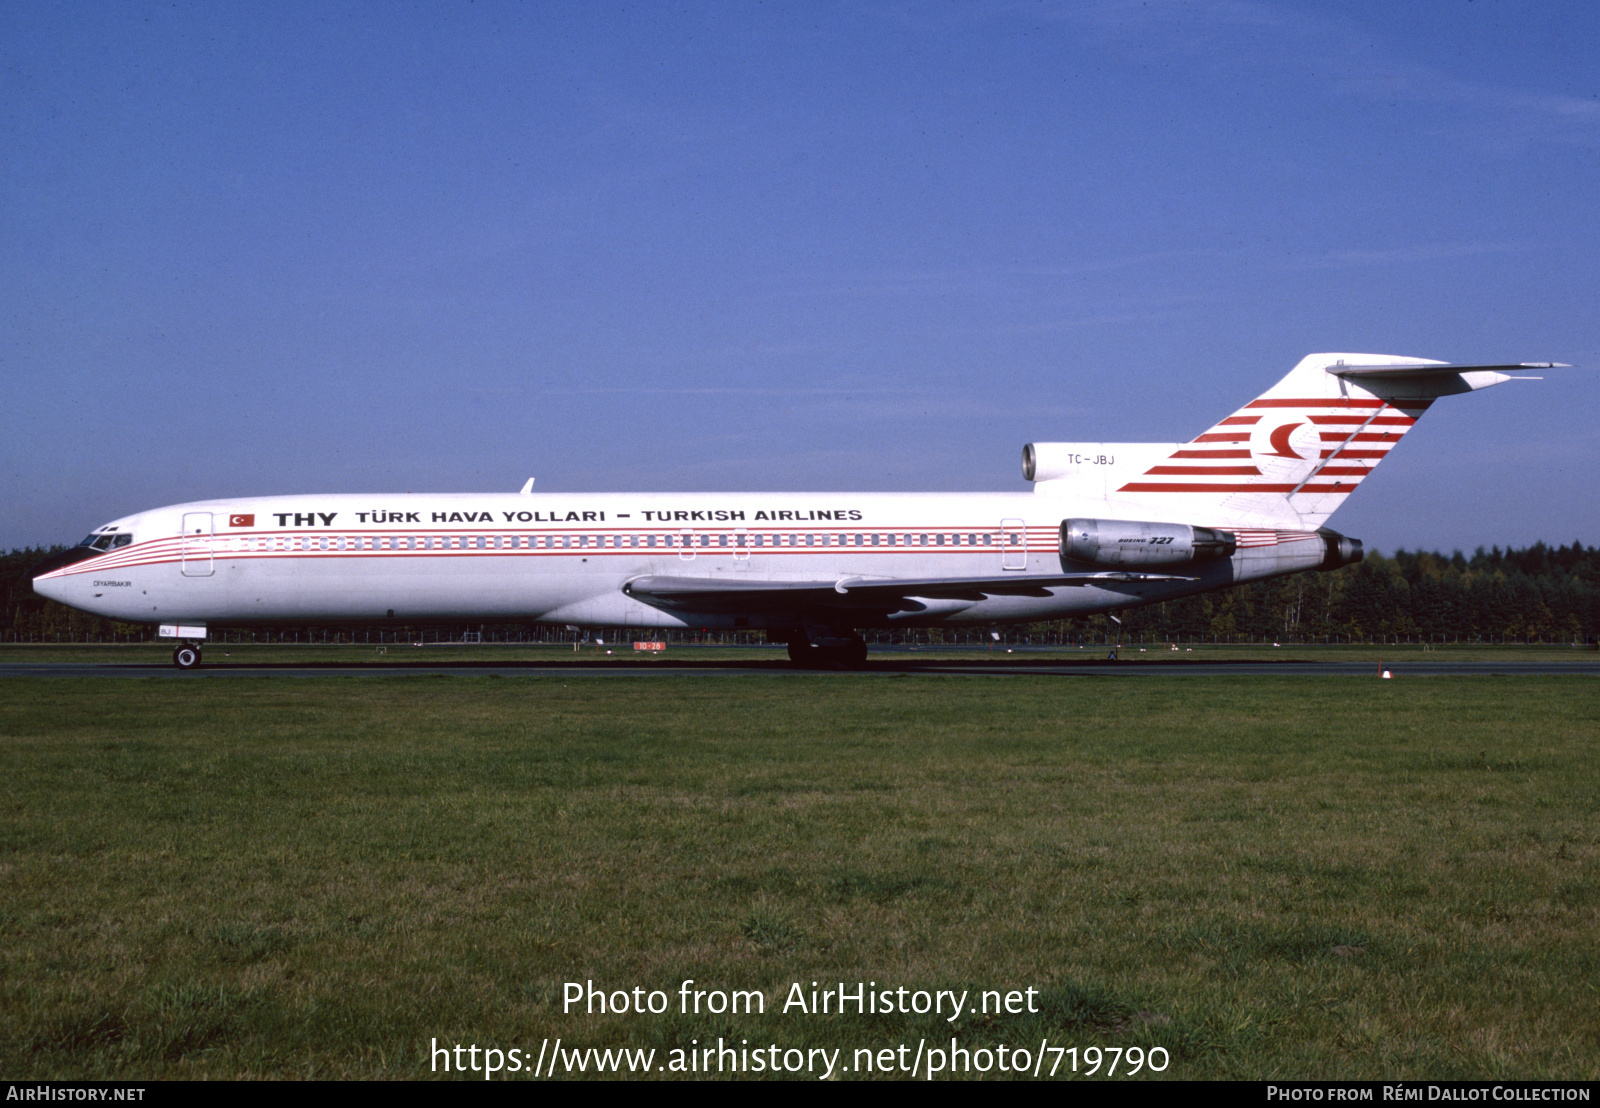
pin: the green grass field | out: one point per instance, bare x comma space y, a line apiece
1253, 878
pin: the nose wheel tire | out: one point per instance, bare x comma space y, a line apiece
186, 657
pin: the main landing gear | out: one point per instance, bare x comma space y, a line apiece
845, 651
186, 656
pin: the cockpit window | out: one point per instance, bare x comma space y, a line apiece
107, 541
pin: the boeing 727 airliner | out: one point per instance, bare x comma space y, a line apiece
1107, 526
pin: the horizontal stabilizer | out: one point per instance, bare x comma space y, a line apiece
1428, 369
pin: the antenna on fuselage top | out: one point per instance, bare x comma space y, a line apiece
528, 488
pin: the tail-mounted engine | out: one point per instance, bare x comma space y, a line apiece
1115, 542
1127, 543
1339, 550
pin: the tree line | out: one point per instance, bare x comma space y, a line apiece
1541, 593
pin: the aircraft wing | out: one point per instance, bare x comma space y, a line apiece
703, 594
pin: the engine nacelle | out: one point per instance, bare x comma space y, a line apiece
1341, 550
1115, 542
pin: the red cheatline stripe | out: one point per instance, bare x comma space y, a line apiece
1230, 436
1233, 421
184, 549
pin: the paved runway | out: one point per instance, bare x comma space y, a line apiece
887, 664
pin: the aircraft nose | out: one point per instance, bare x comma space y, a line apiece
61, 559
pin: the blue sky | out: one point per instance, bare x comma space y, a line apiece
254, 249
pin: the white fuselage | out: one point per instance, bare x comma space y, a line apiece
557, 558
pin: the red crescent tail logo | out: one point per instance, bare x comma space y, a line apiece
1280, 441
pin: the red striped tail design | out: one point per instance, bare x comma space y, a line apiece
1296, 446
1289, 458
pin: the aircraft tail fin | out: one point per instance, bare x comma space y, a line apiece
1290, 457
